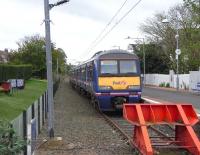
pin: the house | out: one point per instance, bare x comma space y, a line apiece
4, 56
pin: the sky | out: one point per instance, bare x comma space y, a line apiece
75, 25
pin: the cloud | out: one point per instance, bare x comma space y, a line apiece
95, 10
75, 24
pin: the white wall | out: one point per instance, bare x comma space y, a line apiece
194, 78
157, 79
183, 81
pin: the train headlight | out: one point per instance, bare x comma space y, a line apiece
105, 87
133, 87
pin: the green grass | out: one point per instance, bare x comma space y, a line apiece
12, 105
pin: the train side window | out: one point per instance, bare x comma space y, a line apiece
76, 74
83, 73
90, 71
79, 73
86, 73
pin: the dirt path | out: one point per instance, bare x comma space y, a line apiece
82, 129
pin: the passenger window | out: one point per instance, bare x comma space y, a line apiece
90, 71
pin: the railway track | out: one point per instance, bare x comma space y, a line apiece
162, 136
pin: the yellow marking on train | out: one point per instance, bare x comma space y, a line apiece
118, 83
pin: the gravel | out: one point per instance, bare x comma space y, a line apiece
83, 130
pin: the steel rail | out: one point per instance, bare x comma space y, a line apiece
168, 141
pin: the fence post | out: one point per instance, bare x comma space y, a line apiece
25, 130
43, 112
38, 115
47, 103
11, 135
33, 111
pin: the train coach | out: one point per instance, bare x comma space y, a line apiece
110, 78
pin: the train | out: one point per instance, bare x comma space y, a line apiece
110, 78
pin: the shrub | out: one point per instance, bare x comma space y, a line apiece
40, 73
162, 84
9, 142
15, 72
167, 85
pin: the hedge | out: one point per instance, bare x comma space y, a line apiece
15, 72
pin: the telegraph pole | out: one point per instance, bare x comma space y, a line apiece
49, 70
144, 62
47, 21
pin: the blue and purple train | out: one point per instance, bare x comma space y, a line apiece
110, 78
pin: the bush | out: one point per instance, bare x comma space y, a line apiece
9, 142
162, 84
40, 73
15, 72
167, 85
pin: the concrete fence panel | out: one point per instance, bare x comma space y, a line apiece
41, 114
38, 112
18, 125
36, 116
29, 114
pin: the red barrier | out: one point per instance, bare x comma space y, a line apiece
182, 116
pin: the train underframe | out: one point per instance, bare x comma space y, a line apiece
109, 101
115, 103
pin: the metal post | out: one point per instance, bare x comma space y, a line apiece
177, 78
49, 70
57, 67
25, 129
177, 48
144, 63
178, 52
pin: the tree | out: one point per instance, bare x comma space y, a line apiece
193, 35
194, 6
60, 56
155, 61
31, 50
163, 34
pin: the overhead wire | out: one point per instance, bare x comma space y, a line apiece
107, 25
115, 24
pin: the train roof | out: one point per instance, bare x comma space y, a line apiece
110, 54
115, 53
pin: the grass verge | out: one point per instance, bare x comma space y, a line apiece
12, 105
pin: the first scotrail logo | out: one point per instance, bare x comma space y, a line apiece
119, 82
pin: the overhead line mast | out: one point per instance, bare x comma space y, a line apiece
47, 21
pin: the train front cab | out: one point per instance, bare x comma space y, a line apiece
119, 82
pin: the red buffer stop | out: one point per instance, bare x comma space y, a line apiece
182, 116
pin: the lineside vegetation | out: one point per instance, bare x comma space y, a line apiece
12, 105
